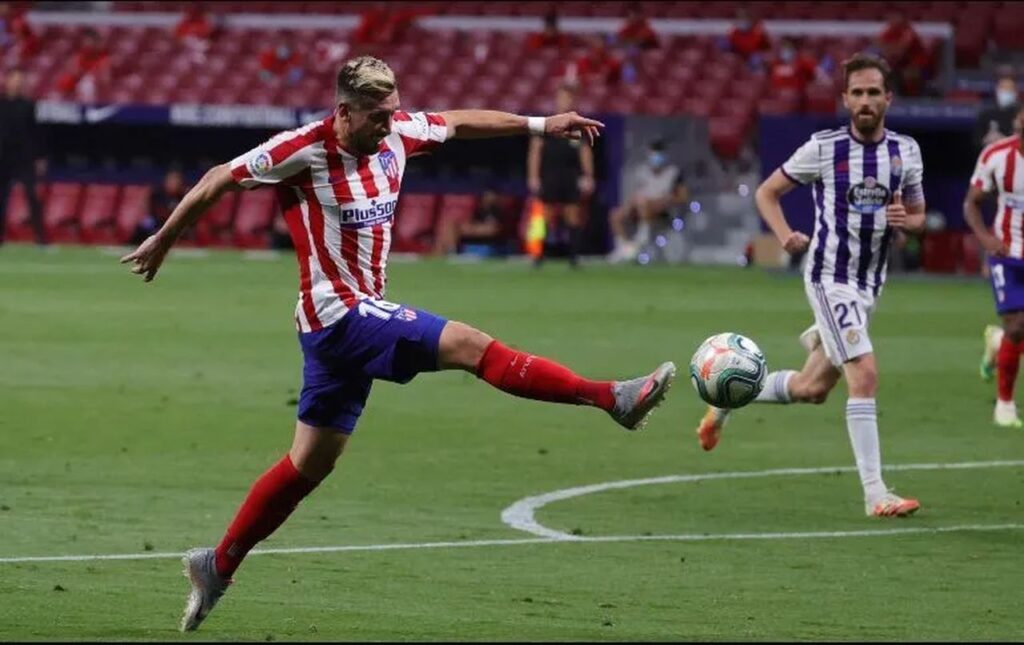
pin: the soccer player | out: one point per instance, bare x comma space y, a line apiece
867, 184
1000, 170
338, 182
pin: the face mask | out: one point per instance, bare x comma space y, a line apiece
656, 159
1006, 98
787, 55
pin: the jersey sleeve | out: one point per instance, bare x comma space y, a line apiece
421, 132
804, 166
912, 185
280, 158
984, 173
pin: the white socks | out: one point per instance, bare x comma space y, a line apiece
776, 388
862, 424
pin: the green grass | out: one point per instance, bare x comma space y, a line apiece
134, 417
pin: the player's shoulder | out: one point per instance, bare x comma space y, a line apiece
831, 134
305, 133
1000, 144
908, 146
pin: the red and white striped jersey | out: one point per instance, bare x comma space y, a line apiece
339, 207
1001, 168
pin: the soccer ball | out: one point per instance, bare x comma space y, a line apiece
728, 370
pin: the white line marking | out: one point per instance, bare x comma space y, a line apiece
521, 515
557, 537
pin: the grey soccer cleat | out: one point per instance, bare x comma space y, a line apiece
636, 398
207, 587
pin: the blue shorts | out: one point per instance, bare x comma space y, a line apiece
1007, 277
377, 340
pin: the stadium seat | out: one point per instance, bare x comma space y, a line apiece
19, 224
215, 227
414, 223
256, 212
60, 212
132, 208
98, 214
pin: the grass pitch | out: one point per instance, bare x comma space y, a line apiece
133, 419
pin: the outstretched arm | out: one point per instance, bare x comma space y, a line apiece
480, 124
146, 259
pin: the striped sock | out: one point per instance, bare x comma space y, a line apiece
862, 424
776, 388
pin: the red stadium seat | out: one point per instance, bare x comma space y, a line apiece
60, 213
256, 211
414, 223
215, 227
19, 223
98, 214
455, 207
727, 136
132, 208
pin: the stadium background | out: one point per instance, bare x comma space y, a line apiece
162, 102
133, 417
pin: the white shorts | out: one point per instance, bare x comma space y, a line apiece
841, 314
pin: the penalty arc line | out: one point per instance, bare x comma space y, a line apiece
562, 538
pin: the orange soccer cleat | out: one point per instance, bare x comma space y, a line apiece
892, 505
710, 429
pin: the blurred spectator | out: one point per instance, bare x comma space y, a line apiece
598, 64
997, 121
485, 227
560, 172
749, 39
550, 37
903, 49
19, 160
17, 39
637, 30
791, 69
195, 31
281, 61
162, 203
658, 186
89, 71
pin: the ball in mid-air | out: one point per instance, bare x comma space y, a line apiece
728, 370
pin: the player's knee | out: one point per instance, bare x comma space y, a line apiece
817, 393
1014, 328
462, 346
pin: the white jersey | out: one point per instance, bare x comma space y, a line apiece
339, 207
1001, 168
853, 182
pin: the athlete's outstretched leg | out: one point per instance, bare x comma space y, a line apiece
271, 500
535, 377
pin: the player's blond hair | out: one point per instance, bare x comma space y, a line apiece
365, 80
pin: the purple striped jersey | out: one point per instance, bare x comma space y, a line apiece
852, 183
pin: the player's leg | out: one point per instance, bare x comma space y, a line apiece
534, 377
35, 208
572, 215
811, 384
1007, 366
1007, 280
618, 219
992, 338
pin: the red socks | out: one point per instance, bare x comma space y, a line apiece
1007, 362
533, 377
272, 499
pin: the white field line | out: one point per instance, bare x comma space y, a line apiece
563, 537
521, 515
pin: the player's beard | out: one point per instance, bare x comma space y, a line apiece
867, 125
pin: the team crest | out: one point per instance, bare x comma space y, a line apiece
405, 314
261, 164
389, 164
852, 337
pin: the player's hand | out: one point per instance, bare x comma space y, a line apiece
146, 259
796, 243
895, 213
586, 185
993, 246
570, 125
